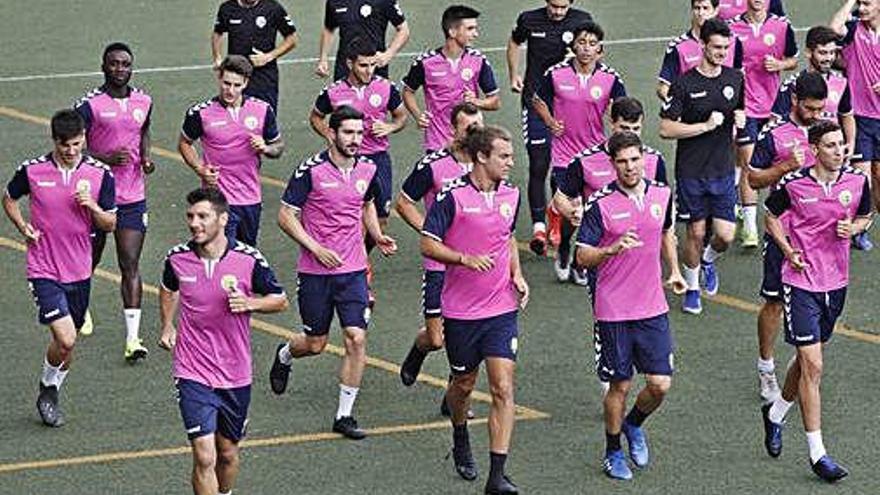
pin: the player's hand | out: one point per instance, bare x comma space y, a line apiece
629, 240
168, 338
387, 245
482, 263
215, 65
739, 119
328, 257
876, 87
238, 302
259, 58
796, 258
522, 287
797, 160
382, 59
557, 127
118, 157
516, 83
323, 68
148, 166
424, 119
381, 129
209, 174
715, 120
258, 144
30, 233
84, 198
772, 64
471, 97
676, 283
845, 228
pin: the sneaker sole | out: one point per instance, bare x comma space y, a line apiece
692, 311
136, 356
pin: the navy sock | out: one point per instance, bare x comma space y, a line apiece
496, 466
460, 437
636, 417
612, 442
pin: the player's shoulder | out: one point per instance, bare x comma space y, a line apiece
425, 55
576, 15
674, 43
365, 160
771, 126
251, 252
789, 83
88, 96
508, 187
93, 162
853, 171
651, 151
778, 18
596, 149
795, 176
198, 107
431, 158
737, 19
180, 249
308, 164
34, 161
473, 52
534, 15
451, 187
598, 196
836, 74
255, 100
561, 65
656, 184
603, 67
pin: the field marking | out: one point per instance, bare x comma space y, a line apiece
307, 60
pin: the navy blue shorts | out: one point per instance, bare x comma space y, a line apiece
867, 139
646, 345
244, 223
749, 134
319, 296
534, 130
432, 286
56, 300
771, 285
207, 410
810, 316
699, 199
132, 216
384, 174
469, 342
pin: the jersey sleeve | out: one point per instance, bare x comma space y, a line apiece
418, 182
298, 188
84, 109
572, 185
660, 174
844, 107
394, 13
673, 107
19, 185
591, 230
669, 219
782, 103
487, 79
440, 216
738, 54
516, 212
169, 277
865, 203
778, 202
415, 78
323, 105
545, 90
791, 48
330, 23
221, 22
618, 90
765, 152
283, 22
107, 193
394, 98
263, 280
192, 125
520, 33
271, 133
850, 35
373, 190
670, 67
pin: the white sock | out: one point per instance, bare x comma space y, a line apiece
132, 324
284, 354
779, 409
691, 277
817, 448
50, 373
60, 376
750, 218
766, 366
539, 227
347, 395
710, 255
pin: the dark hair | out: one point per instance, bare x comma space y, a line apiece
67, 124
116, 47
712, 27
453, 16
480, 140
810, 85
588, 27
627, 108
463, 108
360, 47
621, 141
237, 64
714, 3
211, 195
820, 35
820, 129
343, 113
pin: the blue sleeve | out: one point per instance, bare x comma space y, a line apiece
373, 190
394, 99
673, 107
850, 35
323, 103
270, 126
440, 216
765, 152
572, 185
487, 79
660, 175
169, 278
19, 185
516, 212
618, 90
669, 220
84, 109
298, 188
107, 194
777, 8
221, 23
394, 13
738, 54
791, 49
263, 280
418, 182
415, 78
670, 68
778, 202
591, 230
782, 103
192, 125
844, 107
865, 204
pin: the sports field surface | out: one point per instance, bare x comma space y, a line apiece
124, 433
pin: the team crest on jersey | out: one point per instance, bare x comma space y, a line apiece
83, 185
229, 282
361, 186
834, 96
728, 92
596, 92
505, 210
845, 198
138, 115
567, 37
769, 39
376, 100
366, 10
251, 122
467, 74
656, 211
260, 21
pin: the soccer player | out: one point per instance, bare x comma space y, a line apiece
703, 106
253, 27
216, 283
627, 228
769, 48
328, 202
235, 131
117, 123
685, 52
365, 19
824, 206
430, 175
728, 9
547, 31
70, 195
863, 71
572, 100
451, 74
782, 148
470, 230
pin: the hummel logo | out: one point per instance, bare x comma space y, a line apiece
458, 368
194, 429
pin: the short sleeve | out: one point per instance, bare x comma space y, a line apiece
107, 194
673, 107
741, 103
487, 79
670, 67
374, 190
418, 182
263, 280
19, 185
738, 54
791, 49
850, 35
192, 125
765, 152
221, 22
669, 219
591, 230
283, 22
84, 109
330, 23
844, 107
520, 33
440, 216
270, 126
415, 78
572, 185
618, 90
169, 278
778, 202
865, 205
298, 188
394, 98
516, 212
323, 105
394, 13
660, 174
782, 103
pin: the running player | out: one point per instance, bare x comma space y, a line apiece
451, 74
117, 120
769, 48
470, 230
364, 19
572, 100
782, 148
327, 204
70, 195
547, 31
627, 228
728, 9
253, 26
824, 206
216, 282
235, 131
703, 106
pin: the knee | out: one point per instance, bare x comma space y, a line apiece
464, 384
128, 267
725, 236
355, 341
659, 388
205, 459
502, 391
66, 344
228, 456
696, 232
315, 345
811, 369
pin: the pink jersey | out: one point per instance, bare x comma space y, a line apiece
592, 169
685, 52
634, 275
113, 124
812, 210
580, 102
728, 9
773, 37
445, 83
476, 223
839, 101
375, 100
777, 142
225, 134
213, 344
861, 52
430, 175
331, 205
63, 252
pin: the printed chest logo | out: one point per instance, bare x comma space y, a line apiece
366, 10
467, 74
83, 186
506, 211
596, 92
621, 216
834, 96
656, 211
138, 115
260, 21
361, 186
600, 173
539, 34
567, 37
229, 283
845, 198
108, 115
251, 122
187, 279
728, 92
769, 39
692, 59
376, 100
